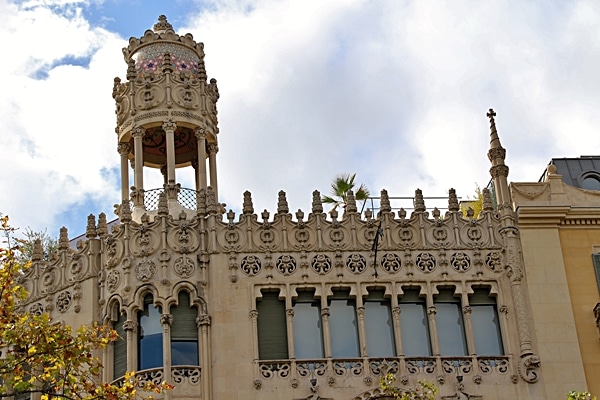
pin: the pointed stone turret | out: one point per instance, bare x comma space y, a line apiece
496, 155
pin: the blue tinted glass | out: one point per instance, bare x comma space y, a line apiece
150, 344
184, 353
308, 341
450, 329
343, 328
486, 330
379, 329
415, 329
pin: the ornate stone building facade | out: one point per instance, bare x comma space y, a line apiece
290, 305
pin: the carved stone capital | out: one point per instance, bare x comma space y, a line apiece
200, 133
123, 148
166, 319
203, 319
213, 149
138, 132
499, 170
431, 310
130, 325
169, 126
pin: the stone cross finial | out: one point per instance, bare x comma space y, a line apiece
491, 114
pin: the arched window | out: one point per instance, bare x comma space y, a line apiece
184, 332
450, 325
119, 346
414, 325
485, 322
272, 327
378, 325
343, 326
308, 334
150, 350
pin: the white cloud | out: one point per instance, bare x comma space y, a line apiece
394, 91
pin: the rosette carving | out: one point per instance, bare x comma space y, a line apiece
184, 267
183, 239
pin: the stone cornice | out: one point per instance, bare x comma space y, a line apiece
554, 216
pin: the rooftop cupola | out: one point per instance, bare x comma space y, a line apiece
166, 118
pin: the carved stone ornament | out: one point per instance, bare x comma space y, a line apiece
321, 264
36, 309
286, 265
426, 262
112, 280
63, 301
460, 262
145, 270
356, 263
251, 265
528, 368
184, 267
391, 263
494, 261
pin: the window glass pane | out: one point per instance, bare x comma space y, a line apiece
184, 353
486, 330
120, 348
379, 326
150, 334
308, 342
272, 327
485, 323
415, 329
343, 328
450, 327
184, 332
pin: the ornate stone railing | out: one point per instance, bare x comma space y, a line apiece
180, 374
436, 367
185, 197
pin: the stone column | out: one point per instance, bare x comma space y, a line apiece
203, 324
138, 171
131, 327
166, 320
201, 170
212, 161
471, 350
396, 310
433, 333
169, 128
123, 149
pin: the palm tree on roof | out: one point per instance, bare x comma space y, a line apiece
340, 187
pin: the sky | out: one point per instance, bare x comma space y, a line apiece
395, 91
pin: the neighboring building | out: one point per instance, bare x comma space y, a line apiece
559, 222
303, 306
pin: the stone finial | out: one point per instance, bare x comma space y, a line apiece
436, 213
453, 201
162, 24
163, 205
63, 239
201, 202
488, 205
102, 226
384, 203
131, 71
402, 213
419, 202
470, 213
231, 216
38, 251
299, 215
551, 169
125, 211
90, 230
497, 153
317, 205
248, 207
282, 204
211, 201
265, 215
350, 202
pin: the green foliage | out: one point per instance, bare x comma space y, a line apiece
423, 391
49, 245
474, 203
340, 187
49, 358
574, 395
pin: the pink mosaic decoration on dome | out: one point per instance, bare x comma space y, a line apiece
150, 58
